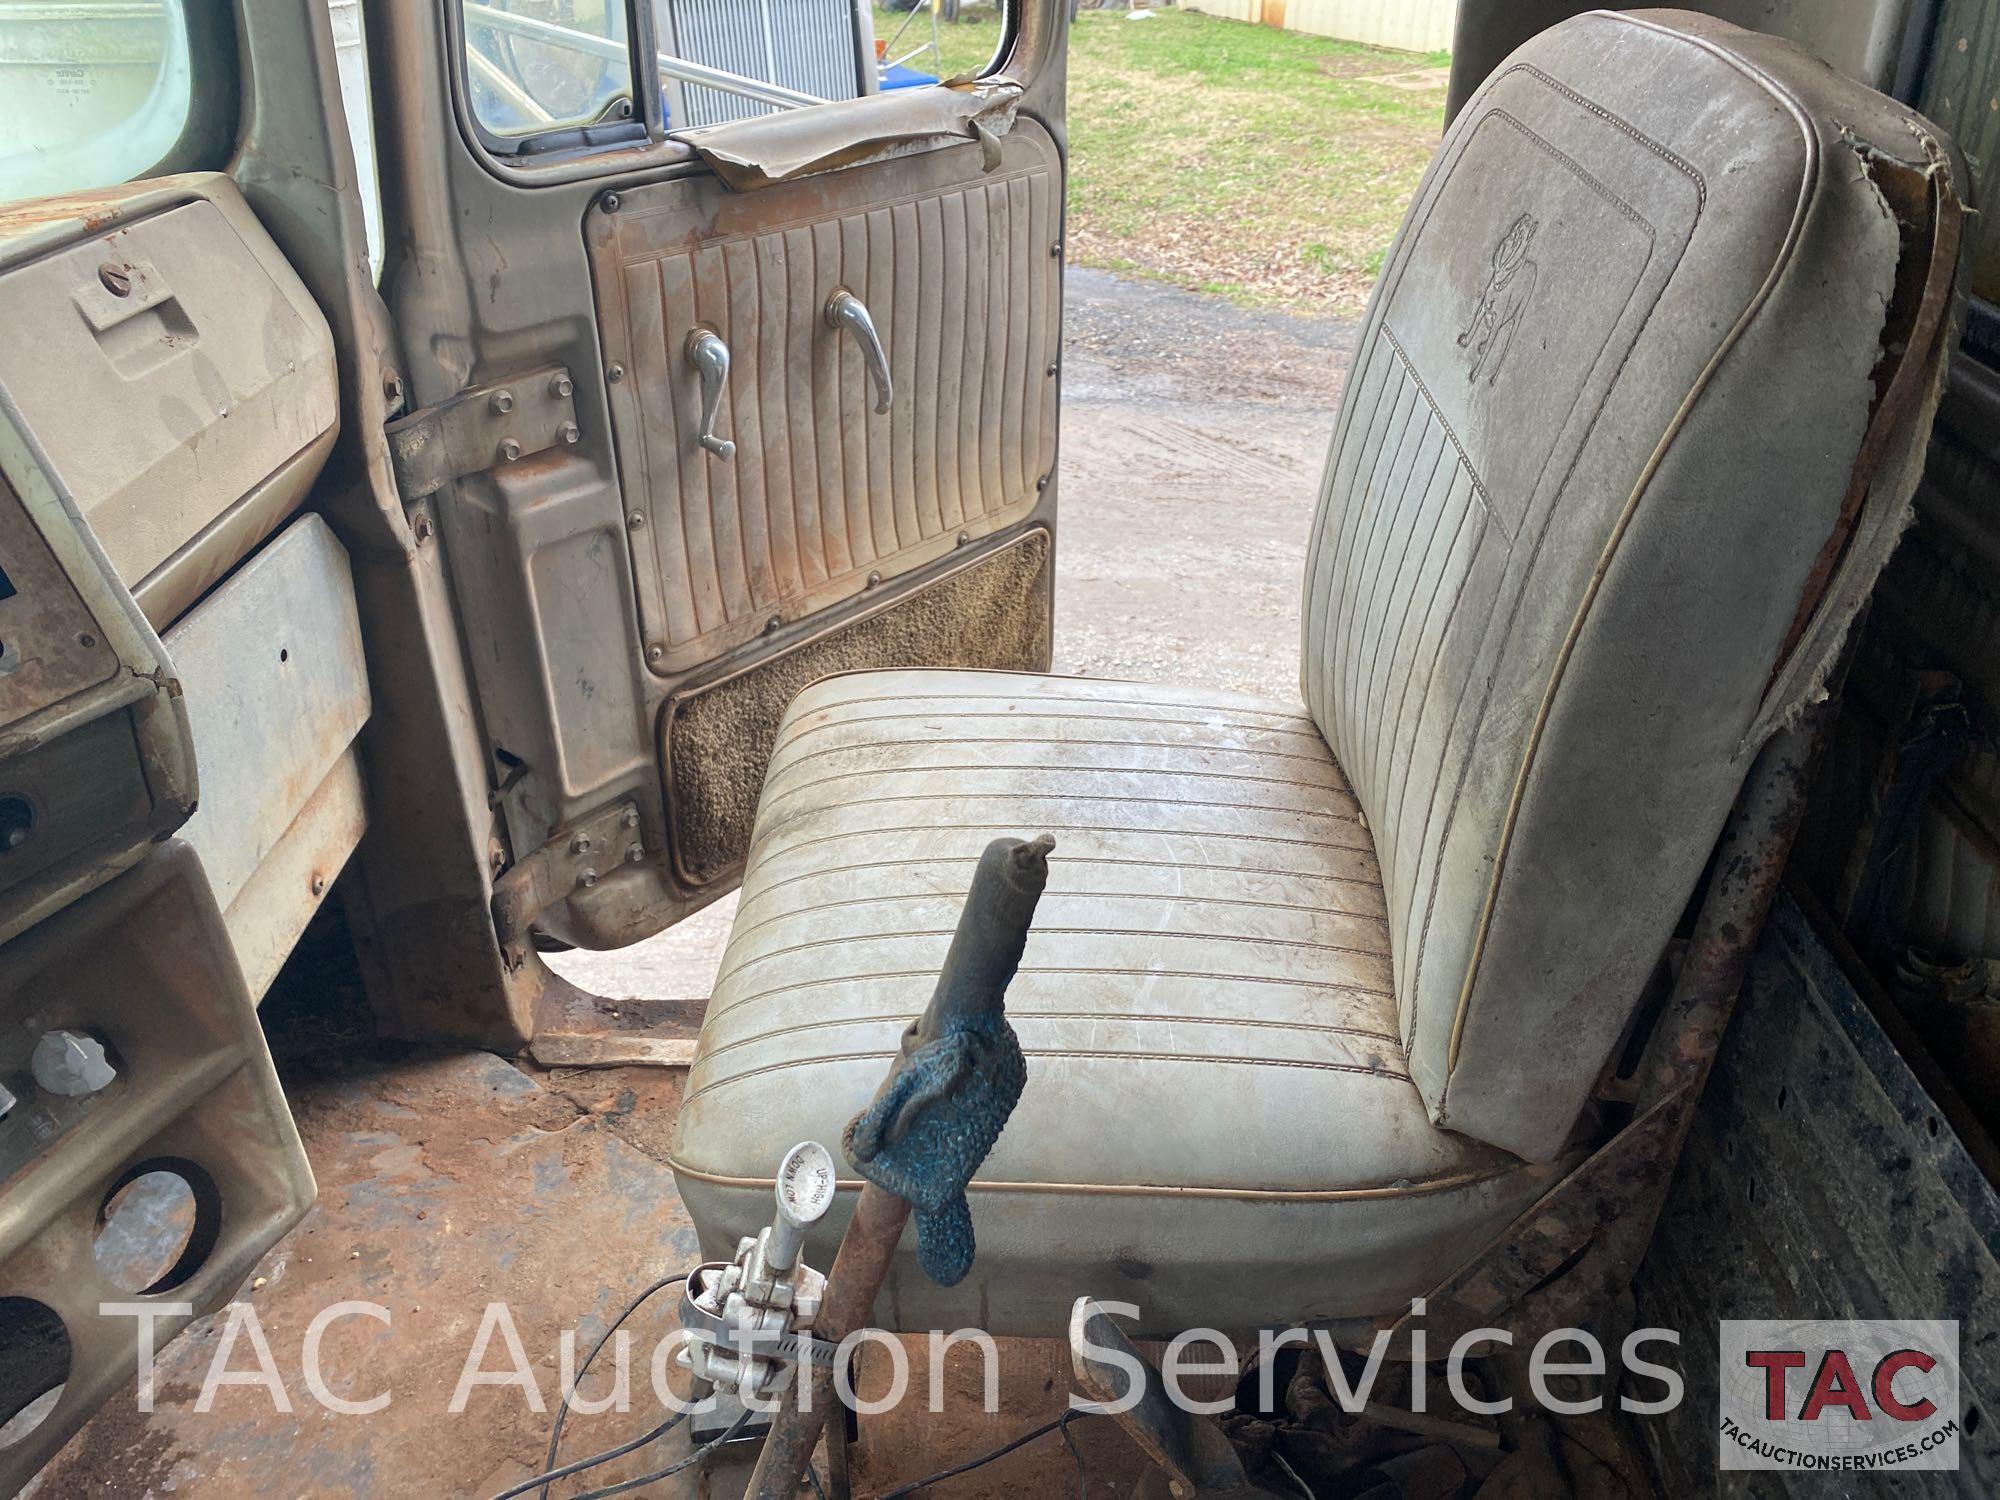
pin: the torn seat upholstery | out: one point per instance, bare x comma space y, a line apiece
1317, 999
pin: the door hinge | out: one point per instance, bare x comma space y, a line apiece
483, 427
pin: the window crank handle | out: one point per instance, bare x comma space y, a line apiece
710, 357
845, 310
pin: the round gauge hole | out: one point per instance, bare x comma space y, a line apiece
17, 821
34, 1365
157, 1227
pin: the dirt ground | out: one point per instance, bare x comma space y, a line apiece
447, 1182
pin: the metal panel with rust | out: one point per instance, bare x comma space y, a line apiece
277, 690
142, 966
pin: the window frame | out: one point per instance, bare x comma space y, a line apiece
581, 153
558, 141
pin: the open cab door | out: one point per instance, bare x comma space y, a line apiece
696, 417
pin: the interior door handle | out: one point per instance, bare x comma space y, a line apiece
710, 357
845, 310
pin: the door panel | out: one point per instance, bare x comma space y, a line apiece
825, 498
619, 589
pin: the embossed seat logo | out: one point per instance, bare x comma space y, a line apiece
1510, 286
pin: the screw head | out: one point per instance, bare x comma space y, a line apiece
318, 883
1055, 250
772, 624
874, 580
503, 402
568, 432
963, 538
117, 279
1053, 367
656, 653
636, 520
509, 449
1042, 483
614, 373
610, 202
560, 387
392, 385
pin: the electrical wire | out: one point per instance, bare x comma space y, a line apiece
543, 1480
551, 1473
1060, 1424
671, 1469
1293, 1475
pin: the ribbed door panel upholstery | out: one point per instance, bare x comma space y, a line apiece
823, 492
1610, 395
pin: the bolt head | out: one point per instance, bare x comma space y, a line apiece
630, 818
580, 844
503, 402
421, 527
568, 432
635, 852
588, 878
510, 449
560, 387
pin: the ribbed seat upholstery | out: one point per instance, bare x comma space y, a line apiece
1634, 422
1205, 1002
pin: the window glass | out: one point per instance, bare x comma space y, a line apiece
539, 65
726, 60
92, 92
1962, 93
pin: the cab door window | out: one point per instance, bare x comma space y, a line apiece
539, 66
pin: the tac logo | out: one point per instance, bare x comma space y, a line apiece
1839, 1396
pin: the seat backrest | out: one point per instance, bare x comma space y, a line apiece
1634, 423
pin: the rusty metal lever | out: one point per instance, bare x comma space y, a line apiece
937, 1114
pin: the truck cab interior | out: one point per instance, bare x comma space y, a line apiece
503, 477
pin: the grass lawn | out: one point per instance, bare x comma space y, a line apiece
1265, 165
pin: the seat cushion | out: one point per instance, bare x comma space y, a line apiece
1218, 1125
1634, 421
